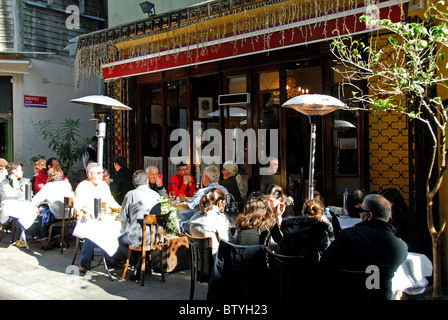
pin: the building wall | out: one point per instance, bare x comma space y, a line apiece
55, 82
121, 12
6, 25
27, 29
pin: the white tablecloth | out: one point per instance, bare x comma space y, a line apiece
104, 234
347, 222
410, 276
24, 211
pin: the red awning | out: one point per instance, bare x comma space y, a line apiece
274, 38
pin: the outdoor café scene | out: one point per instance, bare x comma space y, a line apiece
239, 151
128, 226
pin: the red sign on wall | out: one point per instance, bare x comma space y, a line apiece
35, 101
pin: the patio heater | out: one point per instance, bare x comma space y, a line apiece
102, 108
313, 105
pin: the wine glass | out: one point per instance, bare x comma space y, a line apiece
172, 195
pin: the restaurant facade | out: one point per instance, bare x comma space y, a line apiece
207, 84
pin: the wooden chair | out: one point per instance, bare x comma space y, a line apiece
287, 276
68, 220
201, 260
156, 241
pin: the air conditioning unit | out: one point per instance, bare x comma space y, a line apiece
235, 98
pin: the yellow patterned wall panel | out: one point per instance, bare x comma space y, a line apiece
389, 157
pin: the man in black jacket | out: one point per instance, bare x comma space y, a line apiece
121, 180
369, 248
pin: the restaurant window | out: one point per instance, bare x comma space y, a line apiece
152, 151
269, 112
236, 142
206, 145
176, 111
234, 149
345, 127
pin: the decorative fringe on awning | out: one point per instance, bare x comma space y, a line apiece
177, 33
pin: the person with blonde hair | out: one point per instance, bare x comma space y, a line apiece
257, 223
210, 221
233, 181
307, 235
50, 199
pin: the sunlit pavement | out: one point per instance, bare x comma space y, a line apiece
49, 275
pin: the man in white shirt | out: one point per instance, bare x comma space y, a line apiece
83, 203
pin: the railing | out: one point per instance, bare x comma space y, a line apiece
173, 19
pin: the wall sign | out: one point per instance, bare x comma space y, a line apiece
34, 102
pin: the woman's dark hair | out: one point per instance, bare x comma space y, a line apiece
209, 199
277, 192
399, 208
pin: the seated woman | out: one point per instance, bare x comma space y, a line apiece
257, 222
405, 221
233, 181
52, 196
307, 235
211, 221
280, 203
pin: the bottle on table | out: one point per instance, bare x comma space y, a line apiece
327, 214
345, 202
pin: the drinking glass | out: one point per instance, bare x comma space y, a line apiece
172, 195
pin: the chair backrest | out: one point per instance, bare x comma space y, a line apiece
289, 278
68, 216
201, 257
239, 273
240, 206
352, 286
157, 225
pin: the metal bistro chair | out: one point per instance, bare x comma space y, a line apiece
68, 220
201, 260
287, 275
156, 225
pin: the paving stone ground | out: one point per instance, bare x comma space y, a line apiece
49, 275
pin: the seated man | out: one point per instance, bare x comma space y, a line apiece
369, 243
136, 204
182, 183
13, 188
83, 203
155, 180
210, 179
121, 180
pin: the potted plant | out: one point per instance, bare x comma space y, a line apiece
176, 254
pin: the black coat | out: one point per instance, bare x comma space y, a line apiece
231, 185
368, 243
121, 184
304, 236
